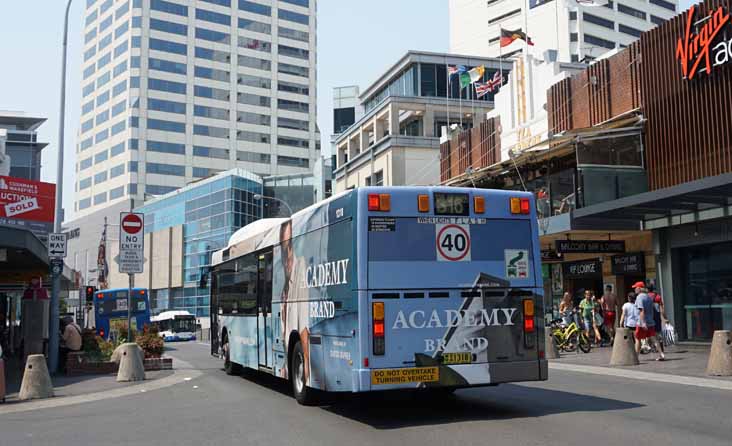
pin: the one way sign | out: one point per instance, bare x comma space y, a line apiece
56, 246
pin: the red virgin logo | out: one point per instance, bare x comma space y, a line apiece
696, 48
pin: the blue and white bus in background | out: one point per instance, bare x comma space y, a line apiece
175, 325
382, 288
110, 311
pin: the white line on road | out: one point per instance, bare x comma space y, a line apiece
643, 376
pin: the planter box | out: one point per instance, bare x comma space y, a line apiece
76, 364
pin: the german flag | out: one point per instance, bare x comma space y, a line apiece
508, 36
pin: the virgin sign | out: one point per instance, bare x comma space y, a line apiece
695, 51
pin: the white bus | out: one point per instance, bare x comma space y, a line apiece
175, 325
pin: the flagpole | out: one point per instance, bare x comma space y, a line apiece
526, 26
447, 96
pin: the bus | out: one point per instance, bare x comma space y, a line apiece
382, 288
175, 325
110, 311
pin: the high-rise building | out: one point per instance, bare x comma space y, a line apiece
580, 30
177, 90
20, 150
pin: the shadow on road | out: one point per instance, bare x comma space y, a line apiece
389, 410
394, 410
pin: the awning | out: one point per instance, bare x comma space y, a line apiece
694, 196
25, 256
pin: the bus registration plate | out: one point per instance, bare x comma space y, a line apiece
406, 375
457, 358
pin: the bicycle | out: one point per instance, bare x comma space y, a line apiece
570, 337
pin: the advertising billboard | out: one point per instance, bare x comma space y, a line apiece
27, 204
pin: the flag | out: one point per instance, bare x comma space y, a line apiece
452, 69
102, 267
591, 3
471, 76
508, 36
481, 89
497, 80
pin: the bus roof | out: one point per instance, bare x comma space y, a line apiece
170, 315
114, 290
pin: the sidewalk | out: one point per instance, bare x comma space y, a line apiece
681, 360
64, 386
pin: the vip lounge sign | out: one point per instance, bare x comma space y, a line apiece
704, 45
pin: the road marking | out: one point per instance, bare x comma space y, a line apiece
207, 344
175, 378
643, 376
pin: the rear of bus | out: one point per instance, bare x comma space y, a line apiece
453, 288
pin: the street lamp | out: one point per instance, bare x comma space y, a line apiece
260, 197
56, 286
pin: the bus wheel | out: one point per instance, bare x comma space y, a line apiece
231, 368
303, 394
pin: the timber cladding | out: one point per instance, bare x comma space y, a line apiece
475, 148
687, 134
607, 89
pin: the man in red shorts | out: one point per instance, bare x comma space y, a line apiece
646, 328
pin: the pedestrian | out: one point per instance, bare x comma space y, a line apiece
659, 313
589, 307
629, 316
609, 305
71, 340
646, 328
565, 308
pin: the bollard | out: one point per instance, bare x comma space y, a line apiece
551, 351
36, 379
720, 357
624, 348
131, 364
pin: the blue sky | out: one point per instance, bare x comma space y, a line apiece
357, 40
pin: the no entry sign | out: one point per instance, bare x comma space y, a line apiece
131, 243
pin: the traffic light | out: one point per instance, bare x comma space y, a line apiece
89, 293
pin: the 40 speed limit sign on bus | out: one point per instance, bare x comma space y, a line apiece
453, 242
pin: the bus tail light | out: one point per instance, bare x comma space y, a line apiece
379, 202
100, 296
423, 203
520, 206
142, 292
479, 205
101, 332
529, 323
378, 328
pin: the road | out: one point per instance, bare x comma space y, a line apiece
216, 409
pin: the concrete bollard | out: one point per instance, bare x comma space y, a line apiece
624, 348
36, 379
131, 365
551, 351
720, 357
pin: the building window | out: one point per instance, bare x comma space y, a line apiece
286, 104
106, 23
169, 86
117, 149
88, 107
657, 20
664, 4
292, 161
119, 127
168, 27
293, 124
256, 8
289, 51
85, 183
293, 34
119, 88
166, 147
255, 44
204, 172
254, 26
213, 36
242, 135
101, 156
213, 17
253, 99
631, 11
211, 152
102, 117
171, 8
599, 21
572, 15
253, 62
116, 192
573, 37
294, 70
116, 171
122, 10
104, 60
168, 126
253, 118
85, 163
167, 66
207, 130
165, 169
628, 30
211, 112
120, 68
505, 16
169, 47
104, 42
379, 178
226, 3
211, 73
211, 93
284, 14
293, 142
166, 106
154, 189
303, 3
253, 81
253, 157
84, 203
100, 198
101, 177
593, 40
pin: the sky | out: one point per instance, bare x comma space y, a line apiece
357, 41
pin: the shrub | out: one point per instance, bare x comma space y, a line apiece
150, 342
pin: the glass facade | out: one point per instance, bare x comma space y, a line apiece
209, 213
429, 80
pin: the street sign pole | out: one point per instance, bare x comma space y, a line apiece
131, 254
56, 255
130, 336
